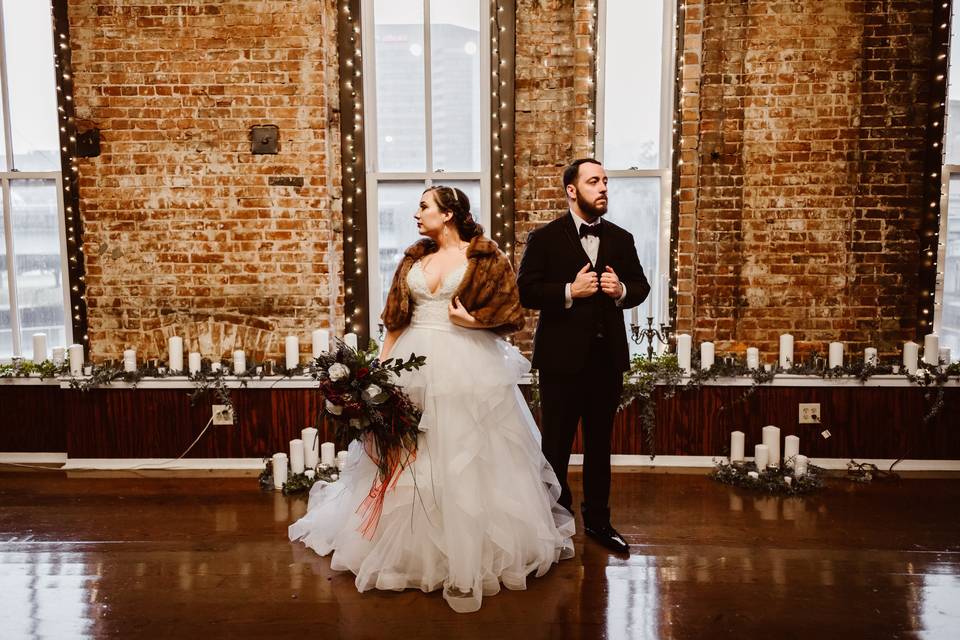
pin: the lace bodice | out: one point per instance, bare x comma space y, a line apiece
431, 308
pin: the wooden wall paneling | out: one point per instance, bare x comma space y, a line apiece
31, 419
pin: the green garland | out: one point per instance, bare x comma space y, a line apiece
26, 368
772, 480
297, 482
644, 376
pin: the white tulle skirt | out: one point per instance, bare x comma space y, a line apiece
477, 508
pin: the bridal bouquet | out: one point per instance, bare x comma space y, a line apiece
362, 397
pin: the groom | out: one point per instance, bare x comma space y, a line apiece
581, 271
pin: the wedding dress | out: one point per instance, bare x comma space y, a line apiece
477, 507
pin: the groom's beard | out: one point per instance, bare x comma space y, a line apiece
593, 209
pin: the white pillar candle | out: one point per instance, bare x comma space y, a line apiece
664, 299
911, 351
328, 454
311, 447
39, 347
870, 356
786, 351
279, 470
292, 351
296, 456
194, 361
76, 359
129, 360
321, 342
791, 448
706, 355
342, 459
58, 356
761, 456
736, 446
350, 339
771, 438
684, 345
175, 360
931, 349
239, 361
945, 356
836, 355
753, 358
800, 466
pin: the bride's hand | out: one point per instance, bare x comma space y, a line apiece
459, 314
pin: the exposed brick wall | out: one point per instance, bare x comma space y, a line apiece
802, 174
180, 223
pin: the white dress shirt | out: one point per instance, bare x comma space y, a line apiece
590, 244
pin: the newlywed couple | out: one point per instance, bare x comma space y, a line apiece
483, 504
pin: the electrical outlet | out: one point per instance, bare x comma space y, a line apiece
222, 414
809, 413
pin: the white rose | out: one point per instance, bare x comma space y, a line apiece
334, 476
338, 371
374, 394
333, 409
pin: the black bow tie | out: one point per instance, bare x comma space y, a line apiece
590, 230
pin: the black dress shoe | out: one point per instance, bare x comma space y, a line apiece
608, 537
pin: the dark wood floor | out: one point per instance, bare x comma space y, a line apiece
190, 558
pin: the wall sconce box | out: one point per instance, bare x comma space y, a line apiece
264, 139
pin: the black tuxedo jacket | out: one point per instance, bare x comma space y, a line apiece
552, 259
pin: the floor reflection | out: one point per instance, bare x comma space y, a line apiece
133, 558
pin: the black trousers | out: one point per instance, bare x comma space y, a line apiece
589, 397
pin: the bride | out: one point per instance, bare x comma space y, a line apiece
478, 506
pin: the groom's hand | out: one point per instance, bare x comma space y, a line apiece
610, 284
585, 284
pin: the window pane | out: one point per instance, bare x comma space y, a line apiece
397, 229
28, 35
6, 336
36, 243
949, 330
631, 103
401, 141
455, 84
472, 189
953, 95
635, 206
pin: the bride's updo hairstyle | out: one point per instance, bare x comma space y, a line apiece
452, 200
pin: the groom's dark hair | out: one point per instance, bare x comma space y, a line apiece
572, 172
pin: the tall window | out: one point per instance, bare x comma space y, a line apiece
634, 116
32, 241
427, 119
946, 318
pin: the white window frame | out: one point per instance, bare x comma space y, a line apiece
375, 177
667, 124
11, 174
949, 170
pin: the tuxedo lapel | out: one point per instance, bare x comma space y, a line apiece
570, 230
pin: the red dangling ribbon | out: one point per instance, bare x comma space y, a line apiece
372, 506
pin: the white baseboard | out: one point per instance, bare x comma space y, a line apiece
162, 464
16, 457
248, 464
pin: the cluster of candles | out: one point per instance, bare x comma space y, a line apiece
768, 454
306, 454
74, 354
933, 354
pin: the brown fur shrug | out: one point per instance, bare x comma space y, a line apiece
488, 290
